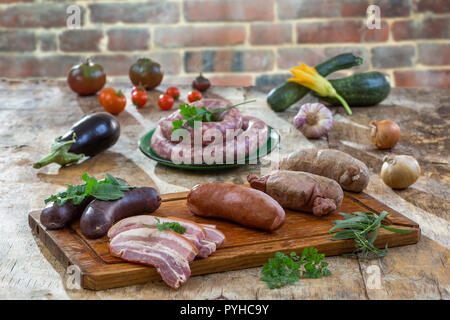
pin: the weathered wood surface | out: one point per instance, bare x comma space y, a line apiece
32, 114
243, 248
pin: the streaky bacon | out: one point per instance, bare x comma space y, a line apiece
165, 250
194, 232
213, 234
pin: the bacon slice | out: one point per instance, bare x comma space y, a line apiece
165, 250
213, 234
194, 232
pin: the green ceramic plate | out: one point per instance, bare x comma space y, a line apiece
144, 146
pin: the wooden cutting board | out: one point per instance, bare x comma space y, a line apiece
243, 248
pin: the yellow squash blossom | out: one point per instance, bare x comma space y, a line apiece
309, 77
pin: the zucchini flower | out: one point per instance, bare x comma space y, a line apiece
309, 77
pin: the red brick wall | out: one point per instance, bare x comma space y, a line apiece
235, 42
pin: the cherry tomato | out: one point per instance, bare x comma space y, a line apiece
173, 91
194, 96
112, 101
139, 96
165, 101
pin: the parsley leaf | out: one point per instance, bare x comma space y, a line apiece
107, 189
192, 114
174, 226
282, 269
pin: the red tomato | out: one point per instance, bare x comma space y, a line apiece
112, 101
165, 101
194, 96
139, 96
173, 91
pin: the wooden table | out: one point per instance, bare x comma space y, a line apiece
32, 114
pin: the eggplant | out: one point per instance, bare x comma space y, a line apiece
89, 136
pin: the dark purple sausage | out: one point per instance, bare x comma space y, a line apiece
57, 217
100, 215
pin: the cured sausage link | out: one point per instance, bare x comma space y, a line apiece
245, 206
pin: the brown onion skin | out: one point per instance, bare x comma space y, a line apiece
86, 78
384, 134
146, 72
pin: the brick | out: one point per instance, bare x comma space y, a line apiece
17, 40
228, 61
119, 64
270, 34
435, 6
393, 8
232, 80
196, 36
57, 66
392, 56
375, 35
330, 31
47, 41
430, 28
290, 57
146, 12
271, 80
19, 66
295, 9
422, 78
228, 10
42, 15
130, 39
434, 54
80, 40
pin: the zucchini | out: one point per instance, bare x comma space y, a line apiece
282, 97
360, 89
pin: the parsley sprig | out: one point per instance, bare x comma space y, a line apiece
192, 114
283, 269
174, 226
107, 189
363, 228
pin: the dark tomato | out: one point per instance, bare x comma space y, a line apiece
201, 83
146, 72
194, 96
112, 101
139, 96
173, 91
86, 78
165, 102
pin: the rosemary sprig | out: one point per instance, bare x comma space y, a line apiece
363, 229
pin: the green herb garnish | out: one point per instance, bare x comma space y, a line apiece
283, 269
107, 189
192, 114
363, 228
174, 226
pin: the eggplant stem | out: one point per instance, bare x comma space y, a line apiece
344, 104
59, 153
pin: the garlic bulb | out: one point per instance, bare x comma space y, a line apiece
399, 172
384, 134
314, 120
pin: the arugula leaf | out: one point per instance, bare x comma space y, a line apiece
174, 226
107, 189
282, 269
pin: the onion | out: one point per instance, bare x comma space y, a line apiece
384, 134
399, 172
314, 120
